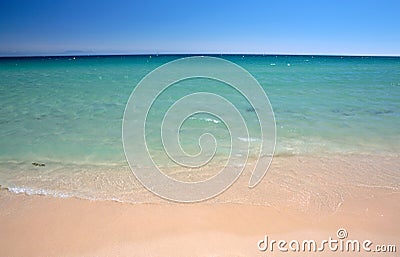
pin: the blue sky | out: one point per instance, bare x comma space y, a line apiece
272, 27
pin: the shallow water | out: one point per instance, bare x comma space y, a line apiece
67, 113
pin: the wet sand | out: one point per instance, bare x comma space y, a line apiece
46, 226
303, 199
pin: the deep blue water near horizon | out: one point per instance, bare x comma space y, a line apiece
67, 111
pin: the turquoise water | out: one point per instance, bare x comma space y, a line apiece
67, 112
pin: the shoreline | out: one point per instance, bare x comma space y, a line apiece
301, 197
47, 226
308, 183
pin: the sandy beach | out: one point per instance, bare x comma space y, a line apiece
37, 225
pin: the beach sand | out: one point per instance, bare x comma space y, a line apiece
37, 225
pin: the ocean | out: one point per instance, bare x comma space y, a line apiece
66, 112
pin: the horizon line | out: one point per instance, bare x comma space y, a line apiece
166, 53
